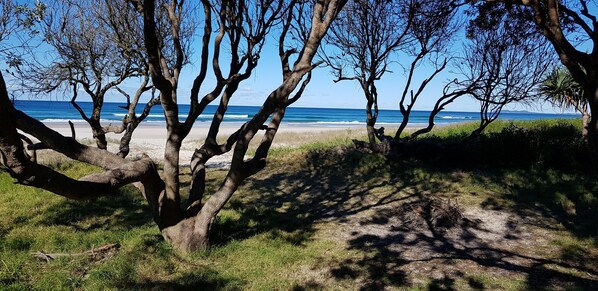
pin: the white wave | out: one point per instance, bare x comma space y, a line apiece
339, 122
203, 116
110, 121
226, 116
455, 117
56, 120
395, 123
59, 120
232, 116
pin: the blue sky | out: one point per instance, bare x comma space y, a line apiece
322, 91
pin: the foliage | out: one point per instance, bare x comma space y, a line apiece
505, 59
18, 26
554, 144
95, 47
561, 89
570, 27
365, 41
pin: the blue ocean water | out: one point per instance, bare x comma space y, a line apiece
63, 111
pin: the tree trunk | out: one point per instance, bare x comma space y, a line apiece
99, 135
371, 93
585, 123
186, 237
193, 233
478, 131
402, 127
370, 123
592, 126
124, 149
171, 199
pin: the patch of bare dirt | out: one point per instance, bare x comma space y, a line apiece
423, 240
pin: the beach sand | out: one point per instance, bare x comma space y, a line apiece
150, 139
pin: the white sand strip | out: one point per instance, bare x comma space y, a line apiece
150, 139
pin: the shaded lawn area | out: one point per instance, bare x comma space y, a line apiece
338, 218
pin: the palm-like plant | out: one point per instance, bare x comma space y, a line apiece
563, 91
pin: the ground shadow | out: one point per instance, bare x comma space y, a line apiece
123, 211
443, 256
342, 186
363, 195
292, 202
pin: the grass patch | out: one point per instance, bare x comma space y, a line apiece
322, 216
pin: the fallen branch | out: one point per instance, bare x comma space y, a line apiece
93, 252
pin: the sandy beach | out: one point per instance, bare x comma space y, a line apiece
150, 139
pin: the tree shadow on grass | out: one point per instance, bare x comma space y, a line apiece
360, 193
348, 186
330, 188
207, 279
288, 204
152, 265
566, 197
124, 211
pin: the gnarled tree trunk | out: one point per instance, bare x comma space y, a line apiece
591, 128
371, 111
186, 229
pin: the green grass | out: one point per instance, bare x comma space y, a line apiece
323, 218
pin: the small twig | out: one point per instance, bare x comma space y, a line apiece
93, 252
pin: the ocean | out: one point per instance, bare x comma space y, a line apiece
63, 111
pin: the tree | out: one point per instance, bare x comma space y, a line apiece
433, 26
366, 35
502, 63
17, 27
560, 89
372, 33
570, 27
187, 229
508, 60
97, 45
